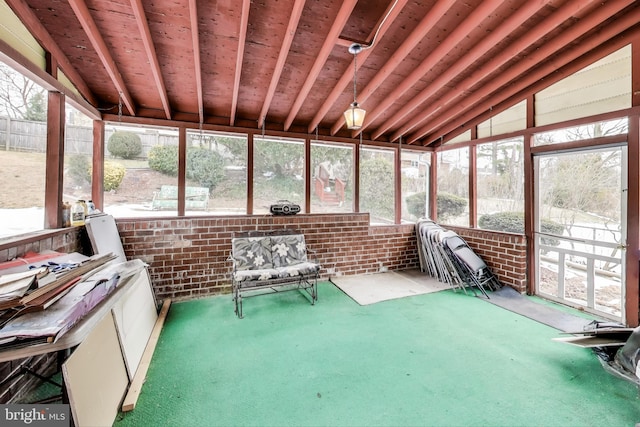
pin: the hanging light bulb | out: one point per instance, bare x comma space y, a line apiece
354, 115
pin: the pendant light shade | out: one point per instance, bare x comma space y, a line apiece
354, 116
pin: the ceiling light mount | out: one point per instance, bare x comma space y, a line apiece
355, 48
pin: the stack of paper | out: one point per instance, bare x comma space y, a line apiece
13, 287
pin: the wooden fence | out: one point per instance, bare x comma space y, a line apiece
31, 136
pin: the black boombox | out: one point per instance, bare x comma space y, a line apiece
284, 207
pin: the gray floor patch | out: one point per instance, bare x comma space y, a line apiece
372, 288
510, 299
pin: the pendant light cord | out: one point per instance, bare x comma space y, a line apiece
355, 76
370, 45
356, 48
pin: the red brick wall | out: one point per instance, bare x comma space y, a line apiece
21, 383
504, 253
188, 257
65, 240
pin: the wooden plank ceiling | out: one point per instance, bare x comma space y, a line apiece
434, 66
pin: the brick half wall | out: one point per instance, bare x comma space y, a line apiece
188, 257
504, 253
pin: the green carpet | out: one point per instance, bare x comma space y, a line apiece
441, 359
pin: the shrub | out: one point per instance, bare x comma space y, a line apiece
164, 159
205, 166
416, 204
551, 227
450, 205
80, 169
125, 145
113, 175
513, 222
376, 198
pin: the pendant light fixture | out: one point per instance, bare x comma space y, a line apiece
354, 115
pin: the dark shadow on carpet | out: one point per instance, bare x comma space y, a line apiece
510, 299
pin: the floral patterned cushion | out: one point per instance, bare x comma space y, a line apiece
288, 250
301, 269
253, 275
252, 253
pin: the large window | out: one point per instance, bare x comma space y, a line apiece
332, 178
23, 146
583, 132
453, 187
377, 185
140, 171
414, 172
216, 174
78, 156
141, 162
500, 185
580, 228
278, 172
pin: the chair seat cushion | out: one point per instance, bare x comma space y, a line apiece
300, 269
255, 275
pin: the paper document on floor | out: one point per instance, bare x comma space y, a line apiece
372, 288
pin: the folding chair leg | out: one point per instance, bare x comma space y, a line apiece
472, 286
479, 286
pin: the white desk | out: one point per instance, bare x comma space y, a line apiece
77, 333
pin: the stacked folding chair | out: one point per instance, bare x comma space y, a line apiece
446, 256
433, 257
476, 273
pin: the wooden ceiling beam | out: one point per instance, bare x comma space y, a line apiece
321, 58
294, 19
550, 23
494, 106
512, 23
195, 44
242, 36
461, 32
538, 80
392, 11
428, 22
147, 40
40, 33
344, 42
546, 51
88, 24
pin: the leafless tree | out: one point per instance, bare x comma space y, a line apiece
16, 93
